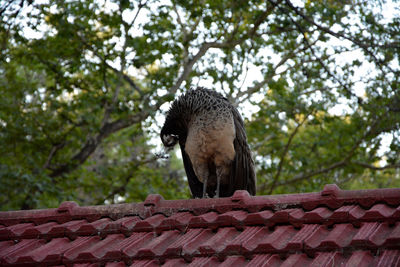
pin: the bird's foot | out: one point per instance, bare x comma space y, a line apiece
217, 193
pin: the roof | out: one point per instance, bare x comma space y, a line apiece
330, 228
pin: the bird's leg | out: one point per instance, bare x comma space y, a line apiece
205, 186
218, 183
220, 172
201, 171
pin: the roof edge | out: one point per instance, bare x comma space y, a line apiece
331, 197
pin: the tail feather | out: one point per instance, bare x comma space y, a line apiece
242, 174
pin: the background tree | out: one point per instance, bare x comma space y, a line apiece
83, 82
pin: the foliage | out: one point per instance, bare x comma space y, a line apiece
82, 84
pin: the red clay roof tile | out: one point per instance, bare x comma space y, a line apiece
158, 245
330, 228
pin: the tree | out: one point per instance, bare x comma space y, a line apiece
83, 83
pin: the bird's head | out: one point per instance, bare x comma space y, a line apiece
174, 129
168, 135
169, 140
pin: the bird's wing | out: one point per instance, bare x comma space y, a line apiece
242, 174
196, 187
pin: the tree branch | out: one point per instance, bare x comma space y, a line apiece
230, 42
341, 163
110, 106
369, 166
52, 153
187, 69
267, 79
337, 165
300, 177
122, 189
140, 6
363, 46
310, 47
284, 153
125, 76
92, 142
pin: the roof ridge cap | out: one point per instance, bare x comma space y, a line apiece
331, 196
